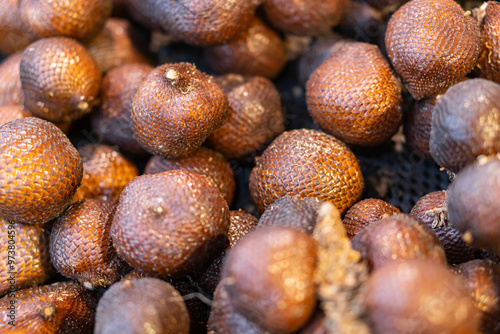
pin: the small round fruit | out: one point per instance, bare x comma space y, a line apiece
142, 305
60, 79
11, 91
355, 96
473, 202
40, 171
14, 32
432, 45
307, 163
419, 297
171, 223
488, 16
176, 108
105, 173
269, 278
364, 213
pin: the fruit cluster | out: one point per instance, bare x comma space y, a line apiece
249, 166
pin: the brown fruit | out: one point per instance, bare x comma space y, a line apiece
419, 297
255, 116
292, 211
397, 238
302, 17
15, 35
386, 5
176, 108
81, 247
488, 16
417, 126
113, 121
60, 79
364, 213
25, 252
319, 51
63, 307
40, 171
363, 23
269, 278
465, 124
355, 96
432, 45
75, 19
143, 305
143, 12
258, 52
203, 161
205, 22
431, 210
10, 113
105, 173
117, 44
473, 202
307, 163
11, 91
171, 223
482, 278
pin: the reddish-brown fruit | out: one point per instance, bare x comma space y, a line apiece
105, 173
10, 113
171, 223
15, 35
292, 211
473, 202
355, 96
206, 22
117, 44
30, 258
75, 19
319, 51
419, 296
364, 213
269, 278
431, 210
307, 163
113, 121
81, 247
143, 305
240, 224
255, 116
40, 171
176, 108
259, 51
143, 12
465, 124
432, 45
304, 17
488, 16
397, 238
11, 91
60, 79
482, 277
203, 161
225, 320
64, 307
417, 126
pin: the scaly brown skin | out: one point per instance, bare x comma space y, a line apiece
30, 258
11, 91
431, 210
204, 161
60, 79
105, 173
417, 126
14, 32
40, 171
364, 213
319, 51
307, 163
81, 247
258, 52
488, 17
355, 96
176, 108
397, 238
255, 116
465, 124
422, 38
113, 121
76, 19
171, 223
140, 306
304, 17
64, 307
